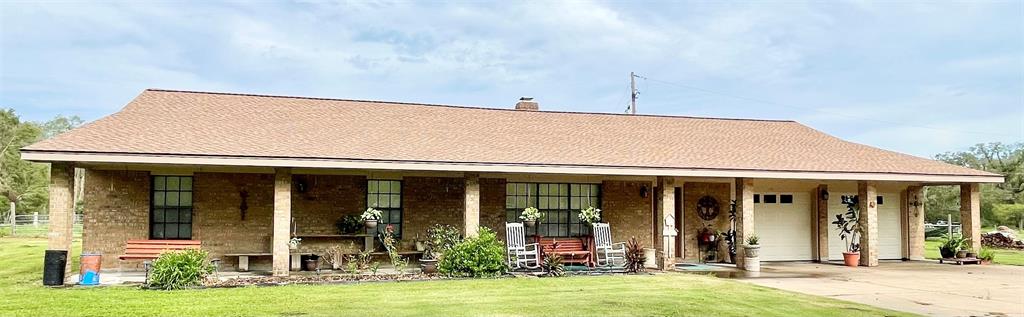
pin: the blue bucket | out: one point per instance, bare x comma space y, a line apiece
90, 271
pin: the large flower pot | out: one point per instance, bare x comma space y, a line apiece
428, 266
752, 251
370, 224
961, 254
947, 253
751, 260
529, 223
312, 265
851, 259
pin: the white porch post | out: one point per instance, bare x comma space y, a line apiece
282, 220
62, 210
744, 217
970, 214
867, 194
471, 216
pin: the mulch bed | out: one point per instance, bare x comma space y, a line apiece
317, 279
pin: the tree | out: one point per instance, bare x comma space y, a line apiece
19, 179
999, 202
23, 184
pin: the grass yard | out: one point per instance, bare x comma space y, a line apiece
663, 294
1003, 256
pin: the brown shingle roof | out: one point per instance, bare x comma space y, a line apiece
201, 123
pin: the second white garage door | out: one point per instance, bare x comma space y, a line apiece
784, 226
889, 224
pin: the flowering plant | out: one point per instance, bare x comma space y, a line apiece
370, 214
294, 242
531, 214
590, 215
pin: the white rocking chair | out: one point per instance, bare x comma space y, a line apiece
520, 254
608, 254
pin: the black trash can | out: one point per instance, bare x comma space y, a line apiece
53, 267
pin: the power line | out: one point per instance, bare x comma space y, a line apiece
708, 91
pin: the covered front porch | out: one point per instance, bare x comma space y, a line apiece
246, 216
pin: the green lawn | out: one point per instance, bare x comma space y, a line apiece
662, 294
1003, 256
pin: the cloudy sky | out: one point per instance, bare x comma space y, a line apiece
918, 78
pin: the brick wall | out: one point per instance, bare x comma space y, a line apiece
692, 224
492, 205
628, 214
116, 210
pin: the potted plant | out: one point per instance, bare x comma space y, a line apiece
530, 216
349, 224
421, 245
313, 263
848, 224
951, 246
370, 218
752, 249
440, 238
986, 256
590, 215
294, 242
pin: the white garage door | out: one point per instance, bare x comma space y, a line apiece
889, 224
784, 227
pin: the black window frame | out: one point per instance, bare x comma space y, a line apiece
388, 213
542, 196
179, 209
774, 199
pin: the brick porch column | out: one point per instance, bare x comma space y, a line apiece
471, 215
282, 220
914, 223
821, 224
666, 208
970, 213
62, 210
868, 207
744, 216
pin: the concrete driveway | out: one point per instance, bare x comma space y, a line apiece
926, 288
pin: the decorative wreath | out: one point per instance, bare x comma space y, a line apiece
707, 208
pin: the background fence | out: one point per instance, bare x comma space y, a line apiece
33, 225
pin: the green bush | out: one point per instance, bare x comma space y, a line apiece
180, 269
480, 256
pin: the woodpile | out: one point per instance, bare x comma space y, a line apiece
1000, 240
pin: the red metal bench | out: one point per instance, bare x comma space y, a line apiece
151, 249
572, 250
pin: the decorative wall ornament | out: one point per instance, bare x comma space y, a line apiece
707, 208
244, 206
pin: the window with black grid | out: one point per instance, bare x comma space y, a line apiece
386, 196
560, 203
171, 207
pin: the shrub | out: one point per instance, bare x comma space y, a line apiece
440, 239
480, 256
986, 254
180, 269
553, 265
634, 256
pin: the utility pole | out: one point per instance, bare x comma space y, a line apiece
632, 93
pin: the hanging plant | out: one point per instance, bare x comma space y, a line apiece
590, 215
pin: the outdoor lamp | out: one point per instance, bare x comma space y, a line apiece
824, 195
643, 191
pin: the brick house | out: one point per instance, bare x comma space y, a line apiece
245, 173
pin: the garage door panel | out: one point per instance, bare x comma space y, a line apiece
889, 227
785, 229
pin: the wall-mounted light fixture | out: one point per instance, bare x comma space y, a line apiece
914, 201
824, 194
643, 191
301, 185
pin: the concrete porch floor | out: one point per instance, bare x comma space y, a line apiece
922, 287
